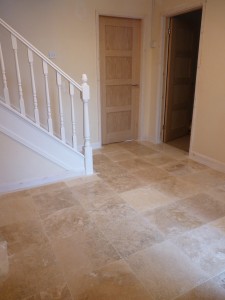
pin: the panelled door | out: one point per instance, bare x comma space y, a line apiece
119, 78
181, 75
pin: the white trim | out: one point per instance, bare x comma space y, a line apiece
183, 8
143, 19
27, 184
210, 162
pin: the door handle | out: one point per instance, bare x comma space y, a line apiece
135, 85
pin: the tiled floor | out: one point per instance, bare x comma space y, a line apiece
149, 226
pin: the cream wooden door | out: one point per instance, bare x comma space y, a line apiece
119, 78
182, 63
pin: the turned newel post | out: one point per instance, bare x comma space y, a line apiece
88, 156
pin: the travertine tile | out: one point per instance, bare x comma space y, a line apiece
48, 203
172, 219
207, 179
124, 182
16, 208
47, 188
120, 155
92, 192
203, 206
146, 198
205, 246
165, 271
81, 180
159, 159
125, 228
218, 193
132, 165
175, 187
151, 175
114, 281
66, 222
22, 236
184, 167
142, 151
206, 291
83, 252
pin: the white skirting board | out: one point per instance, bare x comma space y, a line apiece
205, 160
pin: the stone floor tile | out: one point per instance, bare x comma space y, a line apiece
48, 203
206, 291
113, 281
204, 206
83, 252
151, 175
207, 179
205, 246
172, 219
165, 271
184, 167
159, 159
15, 208
175, 187
66, 222
22, 236
146, 198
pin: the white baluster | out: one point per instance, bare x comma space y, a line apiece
21, 100
5, 87
73, 116
36, 112
88, 156
45, 69
59, 83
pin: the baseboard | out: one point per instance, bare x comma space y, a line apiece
208, 161
27, 184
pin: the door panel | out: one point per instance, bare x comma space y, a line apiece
181, 73
119, 78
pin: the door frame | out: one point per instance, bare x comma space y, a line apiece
161, 92
143, 45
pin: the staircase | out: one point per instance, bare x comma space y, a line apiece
41, 107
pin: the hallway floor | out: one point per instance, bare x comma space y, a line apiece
150, 225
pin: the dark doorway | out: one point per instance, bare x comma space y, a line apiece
181, 67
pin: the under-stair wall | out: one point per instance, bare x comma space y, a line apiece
42, 108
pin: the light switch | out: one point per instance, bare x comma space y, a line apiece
52, 54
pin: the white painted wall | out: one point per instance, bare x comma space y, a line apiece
19, 164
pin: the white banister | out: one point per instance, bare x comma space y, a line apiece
5, 87
21, 100
36, 112
50, 126
74, 137
33, 88
88, 156
39, 53
62, 128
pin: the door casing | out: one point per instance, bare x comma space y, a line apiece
166, 15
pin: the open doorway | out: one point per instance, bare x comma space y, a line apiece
182, 44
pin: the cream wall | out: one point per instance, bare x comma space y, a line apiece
208, 133
19, 164
70, 28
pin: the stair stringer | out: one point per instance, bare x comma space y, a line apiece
24, 131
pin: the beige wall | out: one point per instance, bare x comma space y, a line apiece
208, 134
20, 164
69, 27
